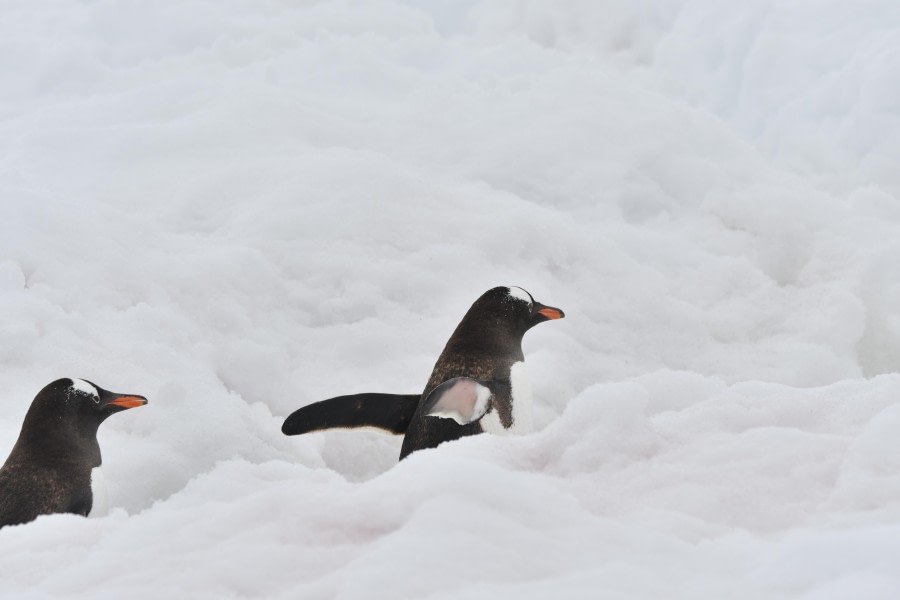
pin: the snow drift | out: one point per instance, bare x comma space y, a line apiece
239, 208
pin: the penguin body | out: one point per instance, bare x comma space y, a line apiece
53, 466
99, 498
480, 373
522, 405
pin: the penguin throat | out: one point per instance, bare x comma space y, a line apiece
62, 442
494, 335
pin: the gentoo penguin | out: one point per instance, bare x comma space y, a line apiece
477, 385
53, 466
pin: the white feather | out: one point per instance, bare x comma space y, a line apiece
522, 401
80, 385
455, 404
519, 294
100, 506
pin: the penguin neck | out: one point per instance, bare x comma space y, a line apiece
490, 336
53, 441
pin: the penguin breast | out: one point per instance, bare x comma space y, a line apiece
521, 402
99, 503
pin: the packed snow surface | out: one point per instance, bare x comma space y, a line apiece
240, 207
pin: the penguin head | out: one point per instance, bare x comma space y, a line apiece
515, 306
77, 404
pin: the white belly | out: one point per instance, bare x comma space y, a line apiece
100, 507
522, 400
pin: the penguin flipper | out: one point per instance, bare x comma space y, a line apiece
391, 412
463, 399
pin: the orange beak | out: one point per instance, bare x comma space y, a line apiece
551, 313
128, 401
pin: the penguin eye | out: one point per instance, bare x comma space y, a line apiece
80, 386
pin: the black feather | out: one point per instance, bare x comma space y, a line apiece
391, 412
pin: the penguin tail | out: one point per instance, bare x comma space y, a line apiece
391, 412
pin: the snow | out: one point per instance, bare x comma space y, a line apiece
238, 208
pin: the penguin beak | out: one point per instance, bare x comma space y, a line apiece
548, 312
123, 401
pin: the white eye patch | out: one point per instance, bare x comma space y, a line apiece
520, 294
83, 387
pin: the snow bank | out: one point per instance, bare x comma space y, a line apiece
239, 208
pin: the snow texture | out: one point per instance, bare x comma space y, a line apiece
237, 208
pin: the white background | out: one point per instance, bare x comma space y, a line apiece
237, 208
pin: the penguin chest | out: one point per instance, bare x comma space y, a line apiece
520, 403
99, 504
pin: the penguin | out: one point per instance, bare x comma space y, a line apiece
54, 465
478, 383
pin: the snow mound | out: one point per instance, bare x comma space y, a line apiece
239, 208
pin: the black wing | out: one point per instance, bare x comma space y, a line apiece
391, 412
